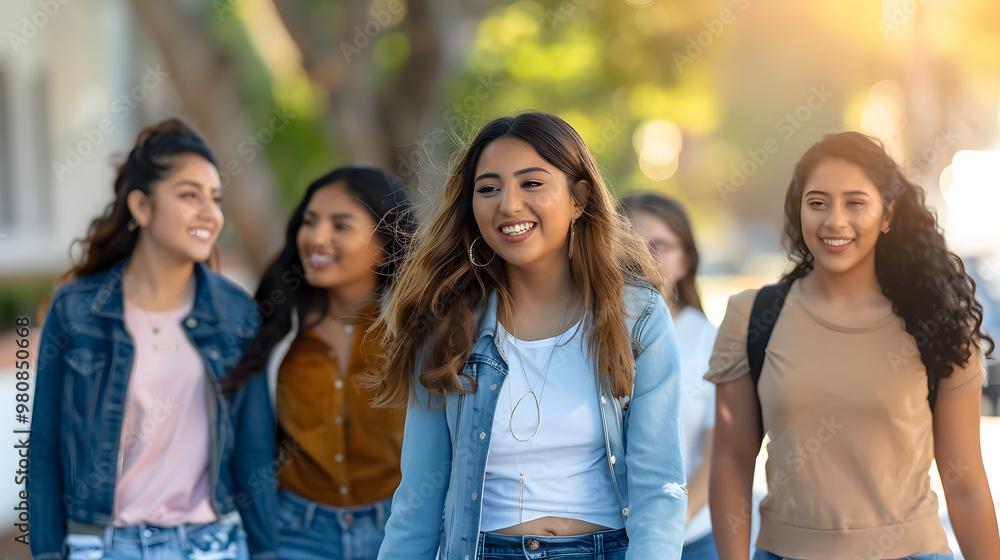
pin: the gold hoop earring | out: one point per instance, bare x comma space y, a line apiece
132, 225
472, 258
572, 234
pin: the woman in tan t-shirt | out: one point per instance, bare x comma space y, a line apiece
877, 305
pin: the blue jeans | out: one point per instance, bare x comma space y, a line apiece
765, 555
606, 545
701, 549
212, 541
312, 531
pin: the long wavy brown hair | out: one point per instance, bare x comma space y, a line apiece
431, 318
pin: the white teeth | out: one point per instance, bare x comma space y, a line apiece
518, 229
836, 242
200, 233
321, 259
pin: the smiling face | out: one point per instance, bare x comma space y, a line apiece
522, 204
182, 217
337, 241
842, 215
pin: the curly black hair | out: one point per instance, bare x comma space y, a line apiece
927, 283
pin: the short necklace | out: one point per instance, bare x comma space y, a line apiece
538, 407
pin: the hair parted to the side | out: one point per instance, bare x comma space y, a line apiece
283, 288
673, 215
432, 315
108, 238
926, 282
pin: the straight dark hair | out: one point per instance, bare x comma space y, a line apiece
283, 288
673, 215
926, 282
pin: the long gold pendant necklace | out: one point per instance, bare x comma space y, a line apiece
538, 409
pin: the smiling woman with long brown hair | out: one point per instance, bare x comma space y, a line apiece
528, 340
873, 370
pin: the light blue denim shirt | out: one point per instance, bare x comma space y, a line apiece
436, 510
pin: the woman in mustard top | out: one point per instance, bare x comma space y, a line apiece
338, 459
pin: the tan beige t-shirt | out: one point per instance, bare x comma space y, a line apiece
851, 439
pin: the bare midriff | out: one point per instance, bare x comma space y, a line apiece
552, 527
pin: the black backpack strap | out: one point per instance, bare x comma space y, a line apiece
763, 316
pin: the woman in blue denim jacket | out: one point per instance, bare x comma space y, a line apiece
135, 451
527, 337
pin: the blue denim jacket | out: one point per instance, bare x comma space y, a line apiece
437, 508
84, 364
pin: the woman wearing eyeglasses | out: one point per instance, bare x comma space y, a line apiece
665, 226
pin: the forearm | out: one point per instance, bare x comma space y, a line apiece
730, 504
974, 521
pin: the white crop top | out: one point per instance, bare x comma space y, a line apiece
566, 473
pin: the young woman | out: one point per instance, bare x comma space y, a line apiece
338, 457
665, 226
529, 342
872, 371
135, 452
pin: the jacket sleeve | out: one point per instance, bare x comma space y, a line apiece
413, 531
252, 467
45, 476
657, 483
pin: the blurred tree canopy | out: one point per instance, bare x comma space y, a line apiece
711, 102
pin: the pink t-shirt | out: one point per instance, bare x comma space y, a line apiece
164, 474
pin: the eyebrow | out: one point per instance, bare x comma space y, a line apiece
849, 193
516, 173
335, 216
188, 182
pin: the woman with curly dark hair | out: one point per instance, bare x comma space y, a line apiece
873, 369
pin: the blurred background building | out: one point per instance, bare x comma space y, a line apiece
711, 102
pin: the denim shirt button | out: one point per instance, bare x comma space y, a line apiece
474, 496
493, 387
482, 435
613, 460
191, 322
625, 512
213, 354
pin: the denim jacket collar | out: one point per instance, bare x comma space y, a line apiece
109, 301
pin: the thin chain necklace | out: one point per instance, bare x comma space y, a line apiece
538, 407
